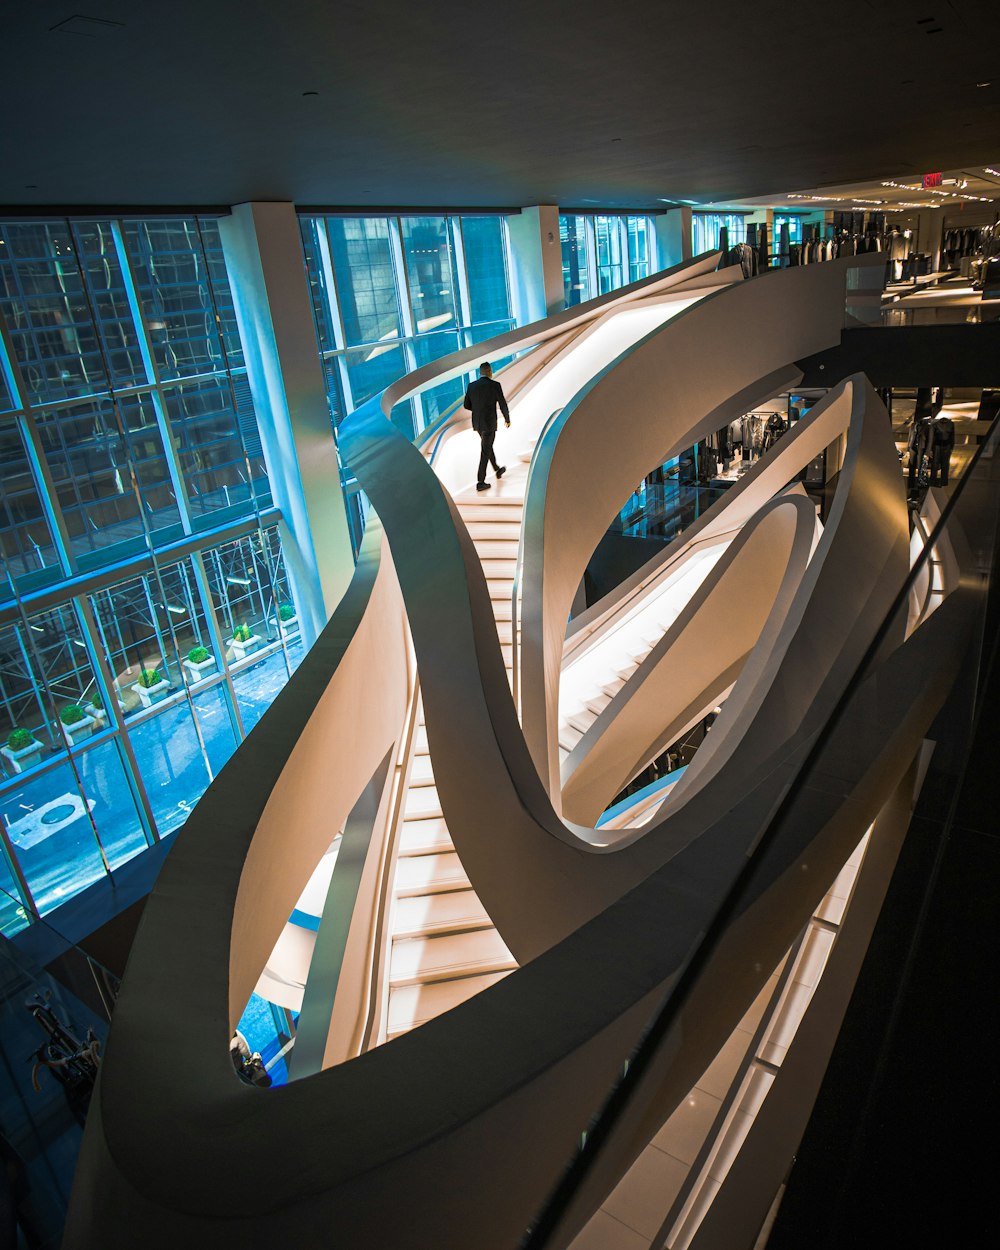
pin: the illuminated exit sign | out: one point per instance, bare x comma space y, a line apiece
931, 180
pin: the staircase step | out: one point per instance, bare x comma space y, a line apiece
420, 740
430, 874
598, 703
421, 801
496, 549
502, 609
422, 773
581, 721
413, 1005
425, 914
499, 568
418, 961
491, 530
508, 510
425, 837
500, 588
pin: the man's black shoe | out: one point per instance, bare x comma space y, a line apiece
482, 486
501, 471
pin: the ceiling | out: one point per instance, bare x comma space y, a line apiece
632, 104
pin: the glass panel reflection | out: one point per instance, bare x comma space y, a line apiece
43, 301
430, 268
576, 280
172, 279
25, 538
366, 283
51, 830
171, 764
486, 268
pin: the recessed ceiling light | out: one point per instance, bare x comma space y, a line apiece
305, 93
984, 84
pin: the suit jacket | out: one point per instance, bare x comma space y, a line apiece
481, 399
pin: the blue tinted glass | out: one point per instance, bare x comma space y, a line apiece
50, 827
109, 302
171, 764
366, 285
486, 267
221, 291
576, 279
173, 281
372, 369
48, 312
430, 268
639, 230
207, 434
113, 810
25, 540
313, 241
257, 686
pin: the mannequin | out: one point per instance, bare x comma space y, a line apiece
942, 442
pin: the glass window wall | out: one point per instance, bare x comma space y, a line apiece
133, 431
391, 293
706, 227
575, 260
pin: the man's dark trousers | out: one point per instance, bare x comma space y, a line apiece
486, 456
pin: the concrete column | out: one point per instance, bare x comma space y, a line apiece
263, 251
672, 231
536, 263
930, 235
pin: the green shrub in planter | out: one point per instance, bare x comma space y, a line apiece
20, 739
198, 655
72, 714
242, 633
285, 612
149, 677
97, 703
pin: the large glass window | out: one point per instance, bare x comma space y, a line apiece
706, 230
575, 262
366, 279
486, 266
48, 311
610, 259
214, 462
430, 270
174, 285
25, 537
401, 287
120, 700
639, 229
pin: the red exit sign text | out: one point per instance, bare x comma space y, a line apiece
931, 180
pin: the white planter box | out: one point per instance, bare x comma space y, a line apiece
291, 626
25, 758
242, 649
78, 730
148, 695
199, 671
98, 716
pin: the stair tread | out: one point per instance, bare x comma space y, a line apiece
499, 568
427, 874
421, 772
421, 801
425, 837
446, 956
492, 530
413, 1005
496, 548
439, 913
498, 510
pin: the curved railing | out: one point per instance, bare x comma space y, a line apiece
457, 1130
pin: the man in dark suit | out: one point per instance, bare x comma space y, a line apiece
481, 399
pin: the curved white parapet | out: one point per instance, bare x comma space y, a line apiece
455, 1132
